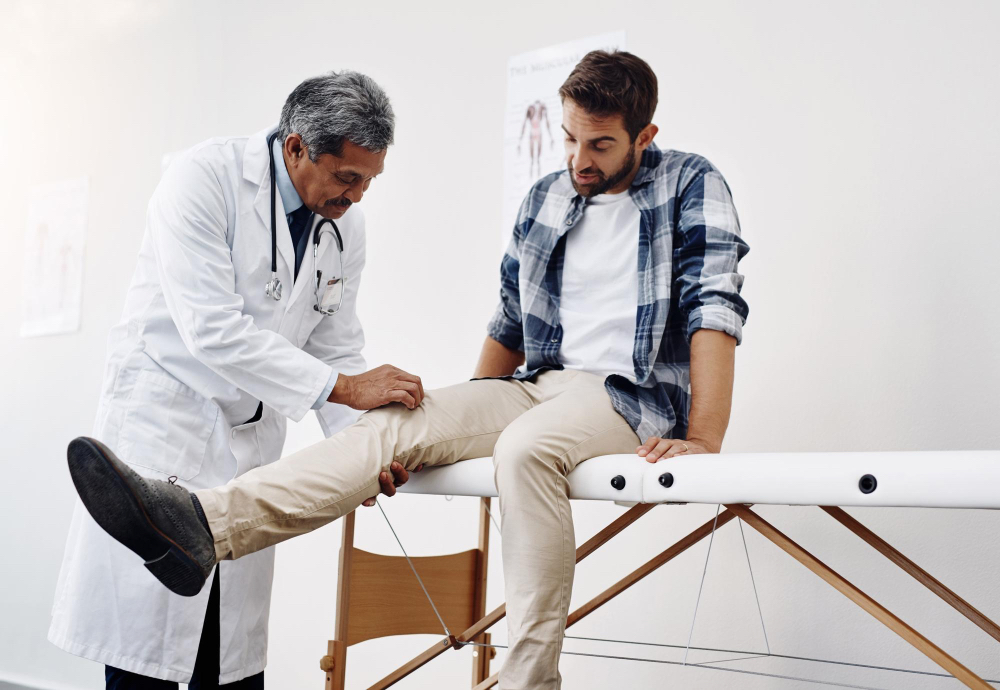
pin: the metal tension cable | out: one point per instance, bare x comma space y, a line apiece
451, 639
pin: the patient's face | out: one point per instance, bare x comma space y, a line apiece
600, 155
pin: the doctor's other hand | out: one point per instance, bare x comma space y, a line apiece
656, 448
380, 386
387, 485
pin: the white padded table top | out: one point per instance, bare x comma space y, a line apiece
930, 479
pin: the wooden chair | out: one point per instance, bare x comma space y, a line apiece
456, 583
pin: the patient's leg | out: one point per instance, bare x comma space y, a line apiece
309, 489
532, 458
166, 525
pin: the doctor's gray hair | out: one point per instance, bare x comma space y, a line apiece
337, 106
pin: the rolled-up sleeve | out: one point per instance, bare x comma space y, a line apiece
505, 327
707, 252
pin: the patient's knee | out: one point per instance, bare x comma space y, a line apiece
385, 421
389, 429
519, 456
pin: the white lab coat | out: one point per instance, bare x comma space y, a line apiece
198, 346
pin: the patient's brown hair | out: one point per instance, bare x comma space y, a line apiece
615, 83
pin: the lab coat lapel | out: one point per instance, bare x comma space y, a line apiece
257, 169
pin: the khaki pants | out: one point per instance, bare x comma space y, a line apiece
537, 432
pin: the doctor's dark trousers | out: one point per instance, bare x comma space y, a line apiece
206, 666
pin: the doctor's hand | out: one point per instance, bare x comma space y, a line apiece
388, 486
656, 448
380, 386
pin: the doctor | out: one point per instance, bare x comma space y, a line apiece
241, 313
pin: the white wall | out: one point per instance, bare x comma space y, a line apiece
861, 144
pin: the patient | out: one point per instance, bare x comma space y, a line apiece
619, 295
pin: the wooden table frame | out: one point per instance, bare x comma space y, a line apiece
457, 584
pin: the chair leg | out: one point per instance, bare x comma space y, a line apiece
481, 655
334, 664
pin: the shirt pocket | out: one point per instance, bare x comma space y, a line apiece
312, 318
167, 426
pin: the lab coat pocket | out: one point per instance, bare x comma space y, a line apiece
167, 426
245, 445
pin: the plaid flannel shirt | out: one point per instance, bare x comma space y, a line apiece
689, 248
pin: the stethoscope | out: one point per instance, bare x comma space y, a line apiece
329, 302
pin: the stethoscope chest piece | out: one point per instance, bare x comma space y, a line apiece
273, 288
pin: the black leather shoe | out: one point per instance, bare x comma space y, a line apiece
155, 519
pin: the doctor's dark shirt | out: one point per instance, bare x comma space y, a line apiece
689, 249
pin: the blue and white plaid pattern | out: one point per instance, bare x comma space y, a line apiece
689, 248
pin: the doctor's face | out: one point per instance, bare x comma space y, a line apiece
331, 184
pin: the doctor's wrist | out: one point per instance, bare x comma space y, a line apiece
342, 392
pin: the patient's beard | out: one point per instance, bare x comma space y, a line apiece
607, 183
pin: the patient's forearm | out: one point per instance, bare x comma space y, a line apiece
713, 355
497, 360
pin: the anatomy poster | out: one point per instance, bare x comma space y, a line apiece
533, 141
53, 252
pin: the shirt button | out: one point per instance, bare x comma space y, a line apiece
555, 340
569, 221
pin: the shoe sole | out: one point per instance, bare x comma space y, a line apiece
120, 512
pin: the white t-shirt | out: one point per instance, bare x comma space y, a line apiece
600, 288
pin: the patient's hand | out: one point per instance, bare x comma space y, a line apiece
399, 477
656, 448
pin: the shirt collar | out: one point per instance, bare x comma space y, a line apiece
290, 199
650, 161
